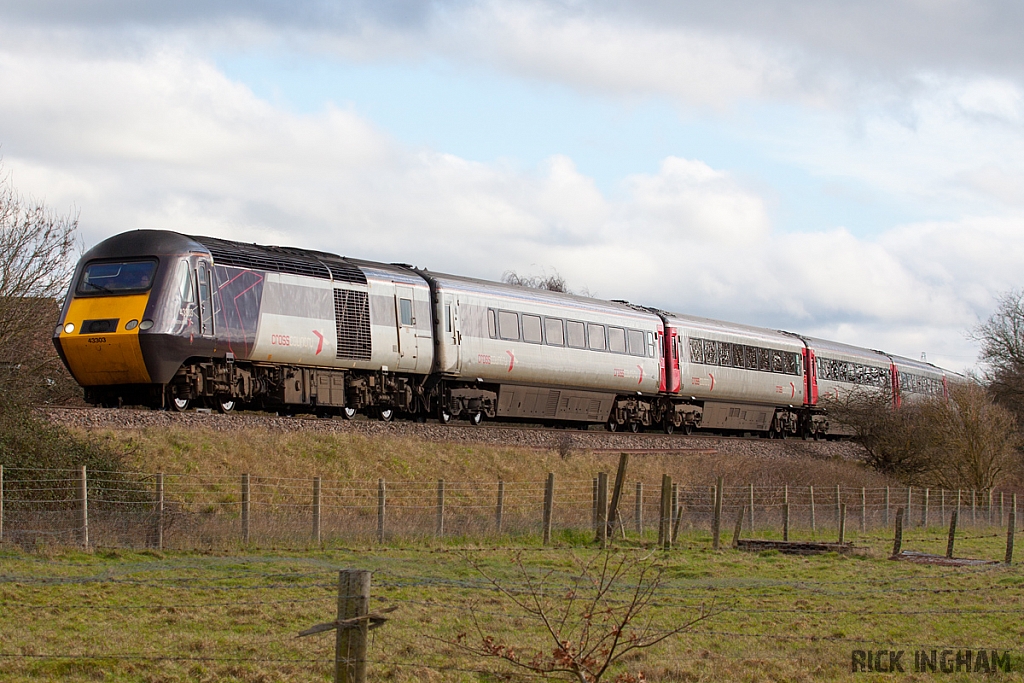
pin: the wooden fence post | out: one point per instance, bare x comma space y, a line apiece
897, 542
1010, 540
924, 509
602, 509
381, 508
666, 485
439, 530
716, 523
785, 512
952, 534
739, 526
811, 489
751, 504
666, 517
83, 497
1011, 523
674, 504
990, 506
500, 509
158, 513
886, 507
842, 524
593, 505
1002, 508
549, 503
839, 503
942, 506
316, 509
908, 511
350, 643
959, 501
638, 508
1, 503
620, 481
245, 508
863, 509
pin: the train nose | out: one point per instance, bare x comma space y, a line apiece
99, 349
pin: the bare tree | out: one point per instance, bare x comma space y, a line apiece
589, 625
1002, 350
892, 439
972, 441
552, 283
36, 246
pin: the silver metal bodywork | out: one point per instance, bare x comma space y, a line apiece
534, 350
842, 369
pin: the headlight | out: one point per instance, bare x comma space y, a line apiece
69, 328
131, 324
145, 324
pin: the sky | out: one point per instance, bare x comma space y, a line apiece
849, 170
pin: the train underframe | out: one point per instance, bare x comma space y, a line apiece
224, 384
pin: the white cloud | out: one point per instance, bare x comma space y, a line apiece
169, 142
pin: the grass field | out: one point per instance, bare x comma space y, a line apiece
147, 616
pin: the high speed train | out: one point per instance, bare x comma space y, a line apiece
174, 321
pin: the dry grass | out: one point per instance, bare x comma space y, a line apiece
339, 456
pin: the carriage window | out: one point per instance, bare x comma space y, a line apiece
789, 360
764, 360
117, 278
616, 340
508, 325
637, 347
531, 328
696, 351
725, 351
553, 330
596, 335
650, 345
405, 310
574, 333
447, 318
750, 357
492, 324
776, 361
710, 352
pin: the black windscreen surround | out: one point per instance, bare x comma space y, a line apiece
352, 318
282, 260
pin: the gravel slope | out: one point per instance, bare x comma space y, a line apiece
488, 433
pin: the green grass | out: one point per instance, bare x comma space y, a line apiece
149, 616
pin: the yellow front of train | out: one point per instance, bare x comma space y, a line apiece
99, 331
116, 333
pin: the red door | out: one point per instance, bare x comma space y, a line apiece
811, 377
671, 359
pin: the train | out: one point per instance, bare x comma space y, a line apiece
173, 321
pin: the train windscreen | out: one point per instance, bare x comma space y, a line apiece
120, 277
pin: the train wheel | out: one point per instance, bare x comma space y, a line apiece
179, 405
635, 427
668, 426
386, 414
476, 418
348, 413
225, 405
687, 428
444, 416
612, 425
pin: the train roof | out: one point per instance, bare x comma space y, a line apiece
543, 296
708, 324
870, 355
137, 243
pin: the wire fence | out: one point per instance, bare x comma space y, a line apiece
187, 511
